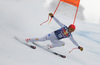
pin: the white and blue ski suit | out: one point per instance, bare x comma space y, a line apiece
55, 36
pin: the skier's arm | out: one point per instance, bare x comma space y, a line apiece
57, 21
72, 39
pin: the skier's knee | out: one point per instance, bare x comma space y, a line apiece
36, 39
63, 44
41, 39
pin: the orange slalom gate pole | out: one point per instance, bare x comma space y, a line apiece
75, 16
55, 10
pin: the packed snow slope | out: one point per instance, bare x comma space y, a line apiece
22, 18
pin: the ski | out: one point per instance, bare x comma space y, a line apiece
34, 47
31, 46
55, 53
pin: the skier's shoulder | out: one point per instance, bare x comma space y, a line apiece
65, 27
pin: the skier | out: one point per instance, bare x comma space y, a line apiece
54, 37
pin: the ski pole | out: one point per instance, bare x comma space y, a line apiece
73, 49
45, 21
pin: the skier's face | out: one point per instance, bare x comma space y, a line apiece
71, 30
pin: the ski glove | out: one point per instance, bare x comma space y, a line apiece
81, 48
51, 15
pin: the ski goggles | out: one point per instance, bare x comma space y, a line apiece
71, 29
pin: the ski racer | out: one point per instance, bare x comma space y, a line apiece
57, 35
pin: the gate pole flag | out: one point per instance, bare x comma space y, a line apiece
74, 3
71, 2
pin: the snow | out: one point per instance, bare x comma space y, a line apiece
22, 18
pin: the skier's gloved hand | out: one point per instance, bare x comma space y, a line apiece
81, 48
51, 15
